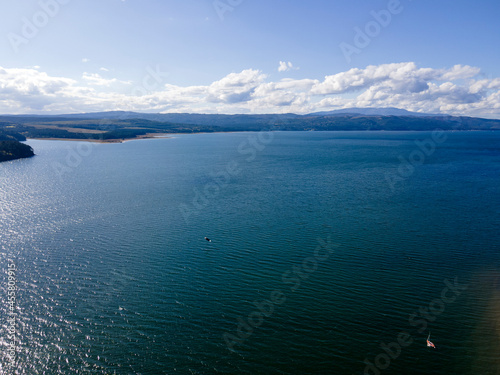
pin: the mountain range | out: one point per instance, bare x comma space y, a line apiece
117, 125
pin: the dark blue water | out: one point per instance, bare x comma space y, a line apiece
331, 253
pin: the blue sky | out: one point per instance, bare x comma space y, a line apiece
242, 56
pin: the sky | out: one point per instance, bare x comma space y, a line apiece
249, 56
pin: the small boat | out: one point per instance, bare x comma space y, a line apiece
429, 343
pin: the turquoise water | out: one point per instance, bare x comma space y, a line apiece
323, 246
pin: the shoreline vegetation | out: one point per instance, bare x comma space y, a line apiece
13, 150
118, 126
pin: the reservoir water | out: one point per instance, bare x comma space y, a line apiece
331, 253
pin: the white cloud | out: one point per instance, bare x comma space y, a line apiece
30, 90
458, 90
485, 84
404, 76
85, 60
459, 72
286, 66
96, 79
235, 87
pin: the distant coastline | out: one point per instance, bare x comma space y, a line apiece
118, 140
170, 135
118, 127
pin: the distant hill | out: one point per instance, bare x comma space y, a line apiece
119, 125
205, 118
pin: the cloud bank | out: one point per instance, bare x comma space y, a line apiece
457, 90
